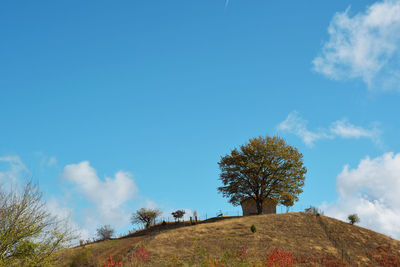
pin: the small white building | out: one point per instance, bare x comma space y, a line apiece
249, 206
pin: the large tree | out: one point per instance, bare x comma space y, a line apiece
264, 168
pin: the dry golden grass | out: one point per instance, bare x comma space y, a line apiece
305, 236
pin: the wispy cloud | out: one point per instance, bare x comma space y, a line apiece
345, 129
295, 124
45, 160
372, 191
226, 3
366, 46
15, 171
64, 213
52, 161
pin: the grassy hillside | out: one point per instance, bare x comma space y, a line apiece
310, 240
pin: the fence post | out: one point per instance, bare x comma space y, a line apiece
342, 255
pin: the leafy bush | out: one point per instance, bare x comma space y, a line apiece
279, 258
253, 228
105, 232
82, 258
111, 263
353, 218
314, 210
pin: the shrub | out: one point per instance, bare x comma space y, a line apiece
29, 234
279, 258
253, 228
174, 260
178, 214
353, 218
105, 232
141, 255
111, 263
82, 258
385, 256
314, 210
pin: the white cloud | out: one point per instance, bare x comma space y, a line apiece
149, 204
365, 46
109, 195
64, 213
372, 191
295, 124
16, 170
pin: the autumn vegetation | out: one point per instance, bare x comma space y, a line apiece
264, 168
29, 234
294, 239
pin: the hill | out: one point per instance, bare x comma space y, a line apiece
309, 239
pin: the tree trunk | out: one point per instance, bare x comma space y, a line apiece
259, 206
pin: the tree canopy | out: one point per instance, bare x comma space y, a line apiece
353, 218
264, 168
145, 216
178, 214
29, 234
105, 232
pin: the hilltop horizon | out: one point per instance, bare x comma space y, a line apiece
111, 107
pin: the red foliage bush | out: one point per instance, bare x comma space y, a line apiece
111, 263
142, 254
279, 258
385, 256
327, 260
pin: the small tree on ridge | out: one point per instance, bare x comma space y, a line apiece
105, 232
178, 214
145, 216
353, 218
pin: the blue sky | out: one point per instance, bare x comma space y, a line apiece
112, 106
